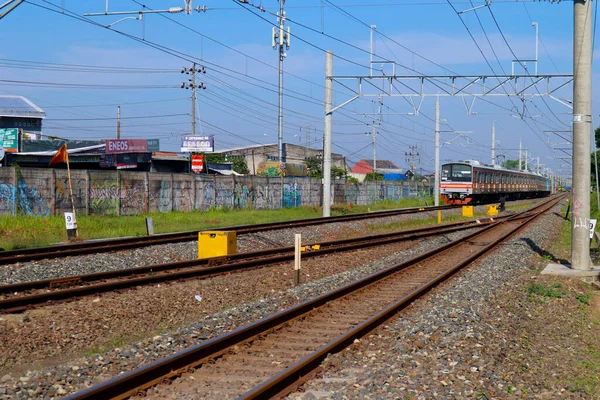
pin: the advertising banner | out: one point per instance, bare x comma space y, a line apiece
153, 144
119, 161
9, 140
126, 161
126, 145
198, 144
197, 163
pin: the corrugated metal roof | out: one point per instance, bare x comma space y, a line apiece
69, 151
382, 164
19, 106
29, 146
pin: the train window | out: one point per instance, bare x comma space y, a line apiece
479, 177
445, 172
457, 172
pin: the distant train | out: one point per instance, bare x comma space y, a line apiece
472, 182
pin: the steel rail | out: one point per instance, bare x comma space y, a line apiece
207, 269
130, 383
287, 380
109, 245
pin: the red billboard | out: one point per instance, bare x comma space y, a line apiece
126, 146
197, 163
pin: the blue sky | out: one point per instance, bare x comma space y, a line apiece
239, 105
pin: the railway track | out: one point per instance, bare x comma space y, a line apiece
22, 296
273, 356
110, 245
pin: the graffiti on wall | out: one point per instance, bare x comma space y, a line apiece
164, 203
393, 193
262, 199
22, 199
104, 197
242, 196
352, 192
292, 195
207, 196
62, 197
248, 196
8, 199
30, 200
224, 194
183, 196
133, 196
163, 192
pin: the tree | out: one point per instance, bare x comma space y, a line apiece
239, 164
337, 173
511, 164
597, 136
314, 164
373, 176
352, 180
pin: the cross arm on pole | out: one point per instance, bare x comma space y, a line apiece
343, 104
9, 6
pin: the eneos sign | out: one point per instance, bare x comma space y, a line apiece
126, 146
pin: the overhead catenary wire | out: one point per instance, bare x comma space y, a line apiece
257, 86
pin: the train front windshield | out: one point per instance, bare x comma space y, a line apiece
456, 173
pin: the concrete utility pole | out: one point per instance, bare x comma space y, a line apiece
192, 85
281, 38
493, 142
526, 159
327, 134
436, 189
118, 122
537, 45
374, 134
194, 100
372, 28
519, 154
582, 118
410, 158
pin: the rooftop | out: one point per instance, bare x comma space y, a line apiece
19, 106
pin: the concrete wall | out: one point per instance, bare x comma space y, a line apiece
43, 192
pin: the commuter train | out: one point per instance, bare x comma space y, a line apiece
472, 182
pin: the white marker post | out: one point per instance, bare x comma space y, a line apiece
149, 227
297, 244
71, 224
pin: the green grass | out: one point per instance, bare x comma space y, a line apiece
587, 382
26, 231
554, 292
584, 298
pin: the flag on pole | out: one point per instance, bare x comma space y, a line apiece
61, 156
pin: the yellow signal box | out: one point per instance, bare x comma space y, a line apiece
467, 211
216, 243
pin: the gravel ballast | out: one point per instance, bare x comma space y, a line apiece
355, 373
160, 254
483, 335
